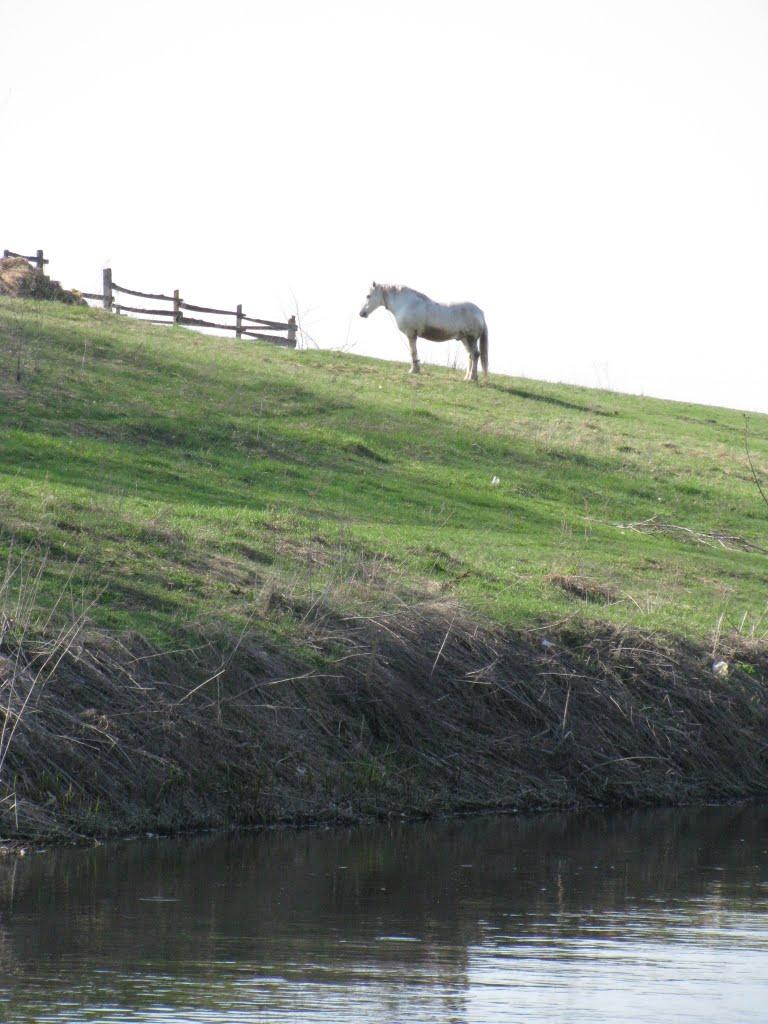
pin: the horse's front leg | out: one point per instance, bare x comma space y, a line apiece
415, 364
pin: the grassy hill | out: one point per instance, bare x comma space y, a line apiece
173, 482
244, 584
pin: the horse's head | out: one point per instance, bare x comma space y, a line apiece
373, 300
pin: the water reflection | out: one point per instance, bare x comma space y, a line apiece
654, 915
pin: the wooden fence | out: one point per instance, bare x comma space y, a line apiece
38, 260
276, 331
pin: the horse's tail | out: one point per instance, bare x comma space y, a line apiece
484, 349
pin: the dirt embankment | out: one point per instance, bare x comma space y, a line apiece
372, 718
21, 280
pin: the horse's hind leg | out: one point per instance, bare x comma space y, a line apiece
473, 355
415, 364
473, 364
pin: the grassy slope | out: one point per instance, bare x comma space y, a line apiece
181, 481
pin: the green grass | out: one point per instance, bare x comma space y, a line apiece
185, 483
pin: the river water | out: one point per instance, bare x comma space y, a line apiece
646, 916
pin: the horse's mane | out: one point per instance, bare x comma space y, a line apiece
405, 288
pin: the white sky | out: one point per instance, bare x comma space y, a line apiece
593, 173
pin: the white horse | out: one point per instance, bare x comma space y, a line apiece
418, 316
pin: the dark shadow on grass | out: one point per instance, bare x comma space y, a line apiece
551, 400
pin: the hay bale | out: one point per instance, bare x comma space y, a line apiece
21, 280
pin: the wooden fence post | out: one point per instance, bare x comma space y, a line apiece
106, 289
239, 321
6, 253
292, 331
176, 306
39, 260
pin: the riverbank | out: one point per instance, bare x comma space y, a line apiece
393, 716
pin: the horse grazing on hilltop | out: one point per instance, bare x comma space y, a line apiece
418, 316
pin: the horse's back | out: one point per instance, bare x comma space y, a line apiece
438, 321
464, 317
469, 309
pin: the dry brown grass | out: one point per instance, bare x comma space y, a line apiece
414, 712
21, 280
584, 587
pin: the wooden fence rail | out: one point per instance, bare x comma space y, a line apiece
39, 260
277, 331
